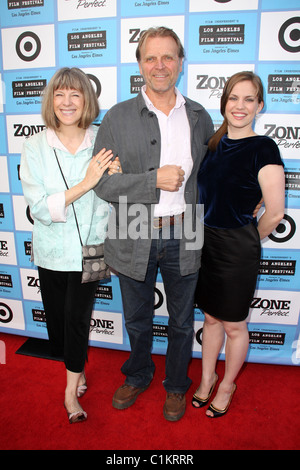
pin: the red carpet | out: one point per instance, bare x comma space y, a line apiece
264, 414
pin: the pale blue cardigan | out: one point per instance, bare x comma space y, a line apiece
56, 244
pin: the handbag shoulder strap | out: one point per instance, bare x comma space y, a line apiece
72, 203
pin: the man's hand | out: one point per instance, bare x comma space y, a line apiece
170, 178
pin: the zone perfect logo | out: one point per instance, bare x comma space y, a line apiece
3, 248
20, 127
206, 82
213, 83
106, 327
30, 284
284, 129
270, 306
7, 248
21, 130
81, 9
131, 29
284, 134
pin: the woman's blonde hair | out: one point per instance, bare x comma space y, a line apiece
73, 79
231, 82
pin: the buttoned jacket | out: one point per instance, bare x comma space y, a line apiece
132, 132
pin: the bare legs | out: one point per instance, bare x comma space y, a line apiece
72, 404
235, 353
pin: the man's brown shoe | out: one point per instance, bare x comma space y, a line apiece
174, 406
125, 396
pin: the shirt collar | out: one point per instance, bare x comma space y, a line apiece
180, 101
54, 141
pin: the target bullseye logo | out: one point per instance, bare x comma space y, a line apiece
6, 314
28, 46
198, 336
289, 35
284, 231
159, 299
96, 84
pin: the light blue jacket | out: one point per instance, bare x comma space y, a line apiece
56, 244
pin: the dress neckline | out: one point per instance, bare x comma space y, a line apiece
225, 137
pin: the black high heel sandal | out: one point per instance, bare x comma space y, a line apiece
217, 413
203, 401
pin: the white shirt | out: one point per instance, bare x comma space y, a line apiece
175, 150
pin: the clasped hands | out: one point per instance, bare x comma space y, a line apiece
98, 165
104, 160
169, 177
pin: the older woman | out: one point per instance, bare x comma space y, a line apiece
239, 169
69, 108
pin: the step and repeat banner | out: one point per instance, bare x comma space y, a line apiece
220, 37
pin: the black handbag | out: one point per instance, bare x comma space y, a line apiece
94, 267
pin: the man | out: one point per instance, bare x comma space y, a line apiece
160, 139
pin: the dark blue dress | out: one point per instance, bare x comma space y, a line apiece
229, 189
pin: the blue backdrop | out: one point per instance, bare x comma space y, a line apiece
220, 37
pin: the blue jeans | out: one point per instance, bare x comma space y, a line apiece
138, 306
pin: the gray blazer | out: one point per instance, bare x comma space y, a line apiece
132, 132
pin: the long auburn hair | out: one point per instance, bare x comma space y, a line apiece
231, 82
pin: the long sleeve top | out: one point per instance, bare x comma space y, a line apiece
56, 243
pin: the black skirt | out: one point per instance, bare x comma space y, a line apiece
228, 274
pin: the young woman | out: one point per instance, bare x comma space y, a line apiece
69, 108
239, 169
